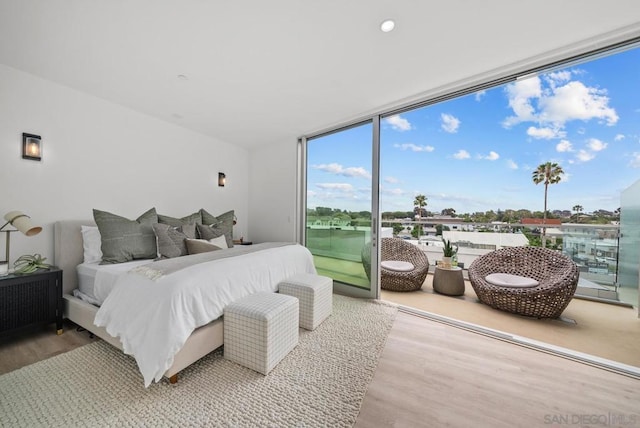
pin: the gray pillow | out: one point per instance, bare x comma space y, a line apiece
217, 226
196, 246
171, 240
124, 240
175, 222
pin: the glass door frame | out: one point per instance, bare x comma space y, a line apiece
301, 205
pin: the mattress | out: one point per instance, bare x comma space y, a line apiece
95, 281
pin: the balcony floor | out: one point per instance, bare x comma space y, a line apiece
599, 329
594, 328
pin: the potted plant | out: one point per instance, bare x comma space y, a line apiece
30, 263
449, 251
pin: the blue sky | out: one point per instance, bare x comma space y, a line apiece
477, 153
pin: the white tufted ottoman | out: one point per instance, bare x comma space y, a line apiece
260, 330
315, 293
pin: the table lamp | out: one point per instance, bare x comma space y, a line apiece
22, 223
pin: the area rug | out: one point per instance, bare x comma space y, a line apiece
322, 382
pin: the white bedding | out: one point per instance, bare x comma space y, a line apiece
95, 281
153, 319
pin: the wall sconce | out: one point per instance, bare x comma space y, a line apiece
222, 179
31, 147
22, 223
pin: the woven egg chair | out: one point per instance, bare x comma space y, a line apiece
557, 277
396, 249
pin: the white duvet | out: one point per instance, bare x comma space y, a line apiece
153, 319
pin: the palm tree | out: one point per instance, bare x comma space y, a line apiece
578, 209
420, 202
547, 173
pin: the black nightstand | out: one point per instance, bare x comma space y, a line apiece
30, 299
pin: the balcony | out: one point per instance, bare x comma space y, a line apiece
588, 326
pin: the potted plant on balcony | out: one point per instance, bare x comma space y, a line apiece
449, 251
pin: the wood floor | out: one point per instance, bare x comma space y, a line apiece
434, 375
30, 346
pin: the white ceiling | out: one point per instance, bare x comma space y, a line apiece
265, 71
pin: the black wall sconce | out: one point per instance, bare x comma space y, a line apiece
31, 147
222, 179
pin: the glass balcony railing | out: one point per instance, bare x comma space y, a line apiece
597, 249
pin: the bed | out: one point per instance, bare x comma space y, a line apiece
204, 335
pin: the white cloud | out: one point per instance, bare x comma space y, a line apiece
462, 154
414, 147
337, 169
391, 180
398, 123
564, 146
575, 101
618, 137
491, 156
596, 145
555, 106
545, 133
520, 94
450, 123
342, 187
565, 177
511, 164
557, 77
635, 160
393, 192
480, 94
585, 156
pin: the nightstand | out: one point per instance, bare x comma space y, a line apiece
30, 299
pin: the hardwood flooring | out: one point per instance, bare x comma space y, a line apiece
32, 345
434, 375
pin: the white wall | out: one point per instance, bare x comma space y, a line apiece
100, 155
272, 192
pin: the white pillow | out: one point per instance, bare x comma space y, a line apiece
220, 241
91, 244
397, 265
508, 280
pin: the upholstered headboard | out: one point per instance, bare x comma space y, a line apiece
67, 250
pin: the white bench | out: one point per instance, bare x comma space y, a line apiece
260, 330
315, 293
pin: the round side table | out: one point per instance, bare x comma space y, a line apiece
448, 281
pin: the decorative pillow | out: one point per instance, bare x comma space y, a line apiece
197, 246
509, 280
124, 240
221, 225
194, 218
91, 242
171, 239
397, 265
220, 241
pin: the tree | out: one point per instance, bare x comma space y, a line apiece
578, 209
420, 202
547, 173
449, 211
397, 228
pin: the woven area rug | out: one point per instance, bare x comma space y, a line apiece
322, 382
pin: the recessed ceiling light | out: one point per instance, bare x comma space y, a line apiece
182, 77
387, 25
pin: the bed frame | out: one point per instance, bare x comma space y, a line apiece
68, 253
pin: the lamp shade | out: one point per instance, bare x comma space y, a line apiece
22, 222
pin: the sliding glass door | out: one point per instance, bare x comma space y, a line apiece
341, 207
